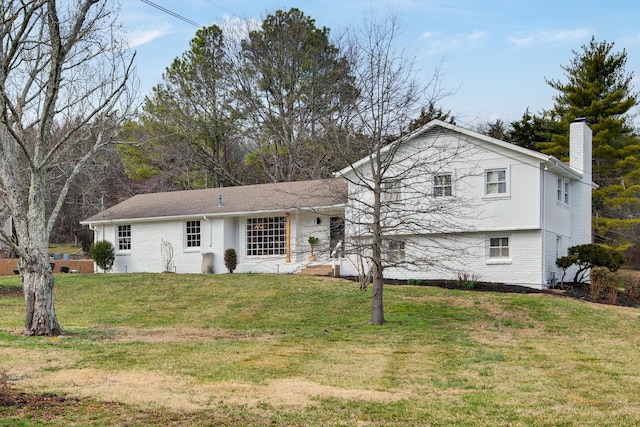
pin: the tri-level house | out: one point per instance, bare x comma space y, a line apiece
452, 202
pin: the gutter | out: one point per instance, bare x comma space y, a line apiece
209, 215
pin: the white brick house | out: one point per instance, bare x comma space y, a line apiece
502, 213
268, 225
522, 209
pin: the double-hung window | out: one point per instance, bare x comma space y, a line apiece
563, 190
124, 237
193, 234
395, 250
442, 185
495, 182
392, 191
266, 236
498, 247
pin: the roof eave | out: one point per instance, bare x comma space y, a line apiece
208, 215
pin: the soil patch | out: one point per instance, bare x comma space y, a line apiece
10, 291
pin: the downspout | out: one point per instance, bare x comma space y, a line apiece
543, 224
288, 237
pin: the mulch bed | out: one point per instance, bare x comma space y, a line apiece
580, 292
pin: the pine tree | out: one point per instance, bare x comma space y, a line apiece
600, 89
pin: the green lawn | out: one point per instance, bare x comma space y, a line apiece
294, 350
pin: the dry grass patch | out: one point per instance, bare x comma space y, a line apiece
173, 335
154, 389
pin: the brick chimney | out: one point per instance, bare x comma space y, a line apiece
580, 158
580, 147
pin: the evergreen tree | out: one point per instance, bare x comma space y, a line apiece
187, 133
532, 130
600, 89
294, 88
431, 112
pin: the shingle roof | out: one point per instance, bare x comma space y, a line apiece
243, 199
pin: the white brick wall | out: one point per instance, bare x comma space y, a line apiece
217, 235
522, 268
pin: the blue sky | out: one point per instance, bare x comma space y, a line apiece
494, 54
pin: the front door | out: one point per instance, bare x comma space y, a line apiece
336, 235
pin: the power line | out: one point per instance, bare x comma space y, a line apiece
174, 14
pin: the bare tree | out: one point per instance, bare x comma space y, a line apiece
63, 81
401, 203
166, 252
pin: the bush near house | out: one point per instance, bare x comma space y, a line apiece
604, 285
588, 256
230, 259
103, 254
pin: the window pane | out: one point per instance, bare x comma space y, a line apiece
442, 185
124, 237
266, 236
499, 247
496, 182
193, 234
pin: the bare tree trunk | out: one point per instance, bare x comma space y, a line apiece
63, 90
377, 307
37, 284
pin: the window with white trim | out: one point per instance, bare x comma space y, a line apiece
495, 182
395, 250
442, 185
563, 190
192, 234
498, 247
124, 237
391, 191
266, 236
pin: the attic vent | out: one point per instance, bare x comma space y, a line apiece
219, 200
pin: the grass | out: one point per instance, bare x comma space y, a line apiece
294, 350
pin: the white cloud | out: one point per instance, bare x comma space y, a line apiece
477, 36
564, 36
435, 44
543, 37
140, 37
522, 42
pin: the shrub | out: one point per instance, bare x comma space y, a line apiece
414, 282
468, 280
604, 285
588, 256
564, 263
103, 254
230, 259
632, 287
